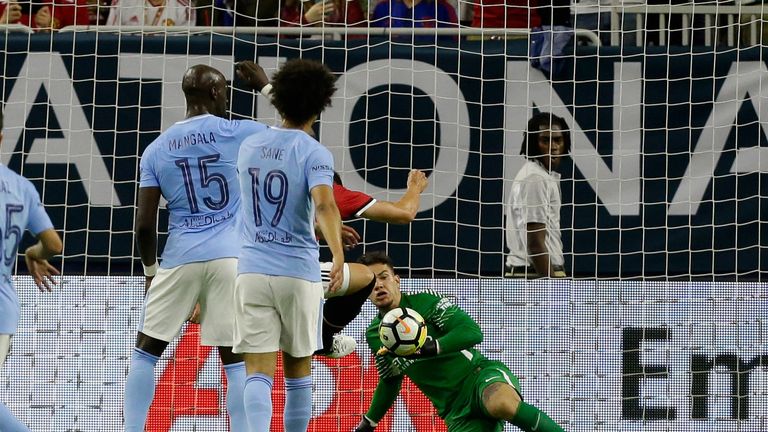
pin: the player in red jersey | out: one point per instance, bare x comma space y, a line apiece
341, 310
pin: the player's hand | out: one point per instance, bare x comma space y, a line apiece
349, 237
366, 425
429, 349
336, 274
319, 11
253, 74
41, 270
43, 19
417, 181
194, 317
11, 14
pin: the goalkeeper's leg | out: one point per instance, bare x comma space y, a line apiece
502, 401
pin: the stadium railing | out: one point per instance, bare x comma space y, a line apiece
589, 37
712, 15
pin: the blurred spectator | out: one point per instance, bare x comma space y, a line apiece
214, 12
414, 13
327, 12
11, 12
52, 15
506, 14
167, 13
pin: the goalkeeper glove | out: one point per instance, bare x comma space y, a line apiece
366, 425
429, 349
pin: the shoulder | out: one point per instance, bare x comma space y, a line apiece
232, 127
422, 300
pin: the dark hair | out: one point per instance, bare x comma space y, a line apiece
544, 120
302, 89
376, 257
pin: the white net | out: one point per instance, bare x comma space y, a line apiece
665, 181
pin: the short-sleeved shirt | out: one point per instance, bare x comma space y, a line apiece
278, 169
535, 198
194, 163
168, 13
20, 210
351, 203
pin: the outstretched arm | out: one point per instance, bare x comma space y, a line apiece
403, 211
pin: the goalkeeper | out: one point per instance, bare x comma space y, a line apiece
469, 391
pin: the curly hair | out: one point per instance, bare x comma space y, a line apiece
301, 89
543, 121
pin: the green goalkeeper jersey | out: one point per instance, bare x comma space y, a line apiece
440, 378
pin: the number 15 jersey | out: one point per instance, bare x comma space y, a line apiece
194, 163
278, 169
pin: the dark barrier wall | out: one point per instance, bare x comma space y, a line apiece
666, 176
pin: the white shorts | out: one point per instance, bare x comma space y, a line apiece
174, 293
5, 347
277, 313
325, 273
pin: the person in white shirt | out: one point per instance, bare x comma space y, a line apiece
167, 13
533, 211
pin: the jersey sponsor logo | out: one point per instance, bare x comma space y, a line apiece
322, 167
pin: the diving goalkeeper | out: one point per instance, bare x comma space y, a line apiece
470, 392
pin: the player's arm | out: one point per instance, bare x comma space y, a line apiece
253, 76
536, 236
384, 397
388, 387
328, 221
402, 211
460, 330
146, 229
36, 257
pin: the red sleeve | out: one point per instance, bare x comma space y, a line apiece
350, 202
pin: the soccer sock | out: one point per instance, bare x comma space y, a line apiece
531, 419
235, 388
139, 390
9, 423
298, 404
340, 311
257, 399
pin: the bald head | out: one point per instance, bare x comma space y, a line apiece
205, 90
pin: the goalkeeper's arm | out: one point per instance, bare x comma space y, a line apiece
461, 331
383, 398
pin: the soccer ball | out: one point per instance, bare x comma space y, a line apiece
403, 331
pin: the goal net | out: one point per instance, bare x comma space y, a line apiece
660, 324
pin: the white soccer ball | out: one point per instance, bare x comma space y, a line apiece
403, 331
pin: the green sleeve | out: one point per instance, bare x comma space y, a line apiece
384, 397
390, 376
459, 330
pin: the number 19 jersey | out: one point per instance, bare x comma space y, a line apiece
278, 169
194, 163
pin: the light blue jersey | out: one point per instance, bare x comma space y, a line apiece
20, 210
278, 169
194, 164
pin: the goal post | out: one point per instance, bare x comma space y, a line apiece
659, 328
